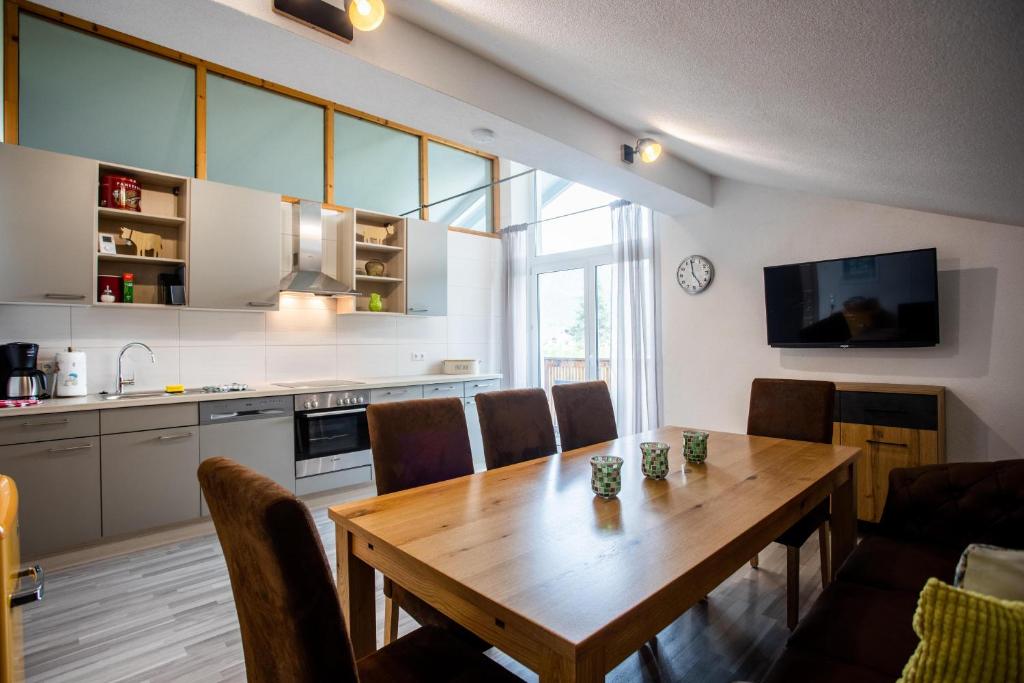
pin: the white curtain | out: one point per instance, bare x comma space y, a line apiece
515, 345
634, 348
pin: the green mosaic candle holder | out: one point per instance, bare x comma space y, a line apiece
654, 459
695, 446
606, 475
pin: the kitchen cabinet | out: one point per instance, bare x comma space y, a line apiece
47, 226
235, 247
58, 492
426, 268
149, 479
392, 394
476, 439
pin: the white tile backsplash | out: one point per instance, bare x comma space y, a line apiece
305, 339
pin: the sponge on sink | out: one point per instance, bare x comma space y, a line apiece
175, 388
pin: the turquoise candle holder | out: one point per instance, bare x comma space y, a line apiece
654, 459
695, 446
606, 475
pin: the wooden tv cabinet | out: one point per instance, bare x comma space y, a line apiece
896, 425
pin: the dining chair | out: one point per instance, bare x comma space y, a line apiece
515, 425
416, 443
287, 603
585, 414
801, 410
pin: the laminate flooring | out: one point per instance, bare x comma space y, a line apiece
166, 614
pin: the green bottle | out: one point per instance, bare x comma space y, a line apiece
375, 305
128, 296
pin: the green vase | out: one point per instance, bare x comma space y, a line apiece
375, 305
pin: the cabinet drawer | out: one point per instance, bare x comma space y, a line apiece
911, 411
453, 390
29, 428
118, 420
149, 479
396, 394
481, 385
58, 492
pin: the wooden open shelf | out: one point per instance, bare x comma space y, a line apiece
353, 255
386, 248
126, 216
129, 258
378, 278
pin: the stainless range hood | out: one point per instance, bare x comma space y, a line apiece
308, 277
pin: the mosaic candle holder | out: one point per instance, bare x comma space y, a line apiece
654, 459
606, 475
695, 446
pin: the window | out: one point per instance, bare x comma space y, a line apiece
451, 172
257, 138
375, 167
83, 95
571, 275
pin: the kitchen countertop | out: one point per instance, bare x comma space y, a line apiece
97, 402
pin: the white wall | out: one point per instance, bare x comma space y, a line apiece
714, 343
305, 339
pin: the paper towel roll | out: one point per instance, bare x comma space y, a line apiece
70, 378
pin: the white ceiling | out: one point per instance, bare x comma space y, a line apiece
918, 104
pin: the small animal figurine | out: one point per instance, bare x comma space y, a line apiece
375, 235
143, 241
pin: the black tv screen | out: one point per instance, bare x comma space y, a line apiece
884, 300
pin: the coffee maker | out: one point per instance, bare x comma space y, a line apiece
19, 378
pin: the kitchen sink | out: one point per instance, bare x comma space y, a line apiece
147, 394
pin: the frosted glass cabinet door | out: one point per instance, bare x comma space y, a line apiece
47, 226
234, 247
426, 267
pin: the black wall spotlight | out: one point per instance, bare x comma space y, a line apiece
648, 149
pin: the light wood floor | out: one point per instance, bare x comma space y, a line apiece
166, 614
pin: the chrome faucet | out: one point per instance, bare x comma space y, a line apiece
120, 382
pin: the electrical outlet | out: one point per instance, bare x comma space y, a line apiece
419, 356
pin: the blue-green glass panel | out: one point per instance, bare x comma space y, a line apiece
375, 167
259, 139
83, 95
452, 171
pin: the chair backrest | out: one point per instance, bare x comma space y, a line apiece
416, 443
792, 409
287, 602
585, 414
515, 425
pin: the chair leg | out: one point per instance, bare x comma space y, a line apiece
792, 586
825, 543
755, 561
390, 621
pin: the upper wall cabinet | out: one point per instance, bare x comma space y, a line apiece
84, 95
426, 267
235, 247
47, 226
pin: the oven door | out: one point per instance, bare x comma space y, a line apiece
331, 439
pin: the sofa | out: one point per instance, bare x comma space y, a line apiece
860, 628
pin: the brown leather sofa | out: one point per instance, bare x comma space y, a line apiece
860, 627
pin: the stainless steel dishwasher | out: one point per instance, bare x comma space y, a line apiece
255, 432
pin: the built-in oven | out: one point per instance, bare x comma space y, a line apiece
331, 432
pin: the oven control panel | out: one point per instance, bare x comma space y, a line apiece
332, 399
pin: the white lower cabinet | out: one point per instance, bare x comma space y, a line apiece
149, 479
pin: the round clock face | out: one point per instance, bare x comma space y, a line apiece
695, 274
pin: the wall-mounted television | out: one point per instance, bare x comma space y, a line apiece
884, 300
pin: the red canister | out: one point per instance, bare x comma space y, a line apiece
120, 192
111, 281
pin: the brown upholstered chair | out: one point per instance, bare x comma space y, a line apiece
585, 414
288, 608
416, 443
516, 426
801, 410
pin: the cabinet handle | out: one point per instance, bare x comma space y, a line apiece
418, 310
887, 443
51, 423
65, 449
35, 592
171, 437
64, 297
261, 304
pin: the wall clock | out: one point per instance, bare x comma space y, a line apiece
695, 273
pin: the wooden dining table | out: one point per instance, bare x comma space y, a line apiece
569, 584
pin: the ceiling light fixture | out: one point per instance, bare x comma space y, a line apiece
366, 15
648, 149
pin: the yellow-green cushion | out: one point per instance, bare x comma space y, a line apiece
966, 638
